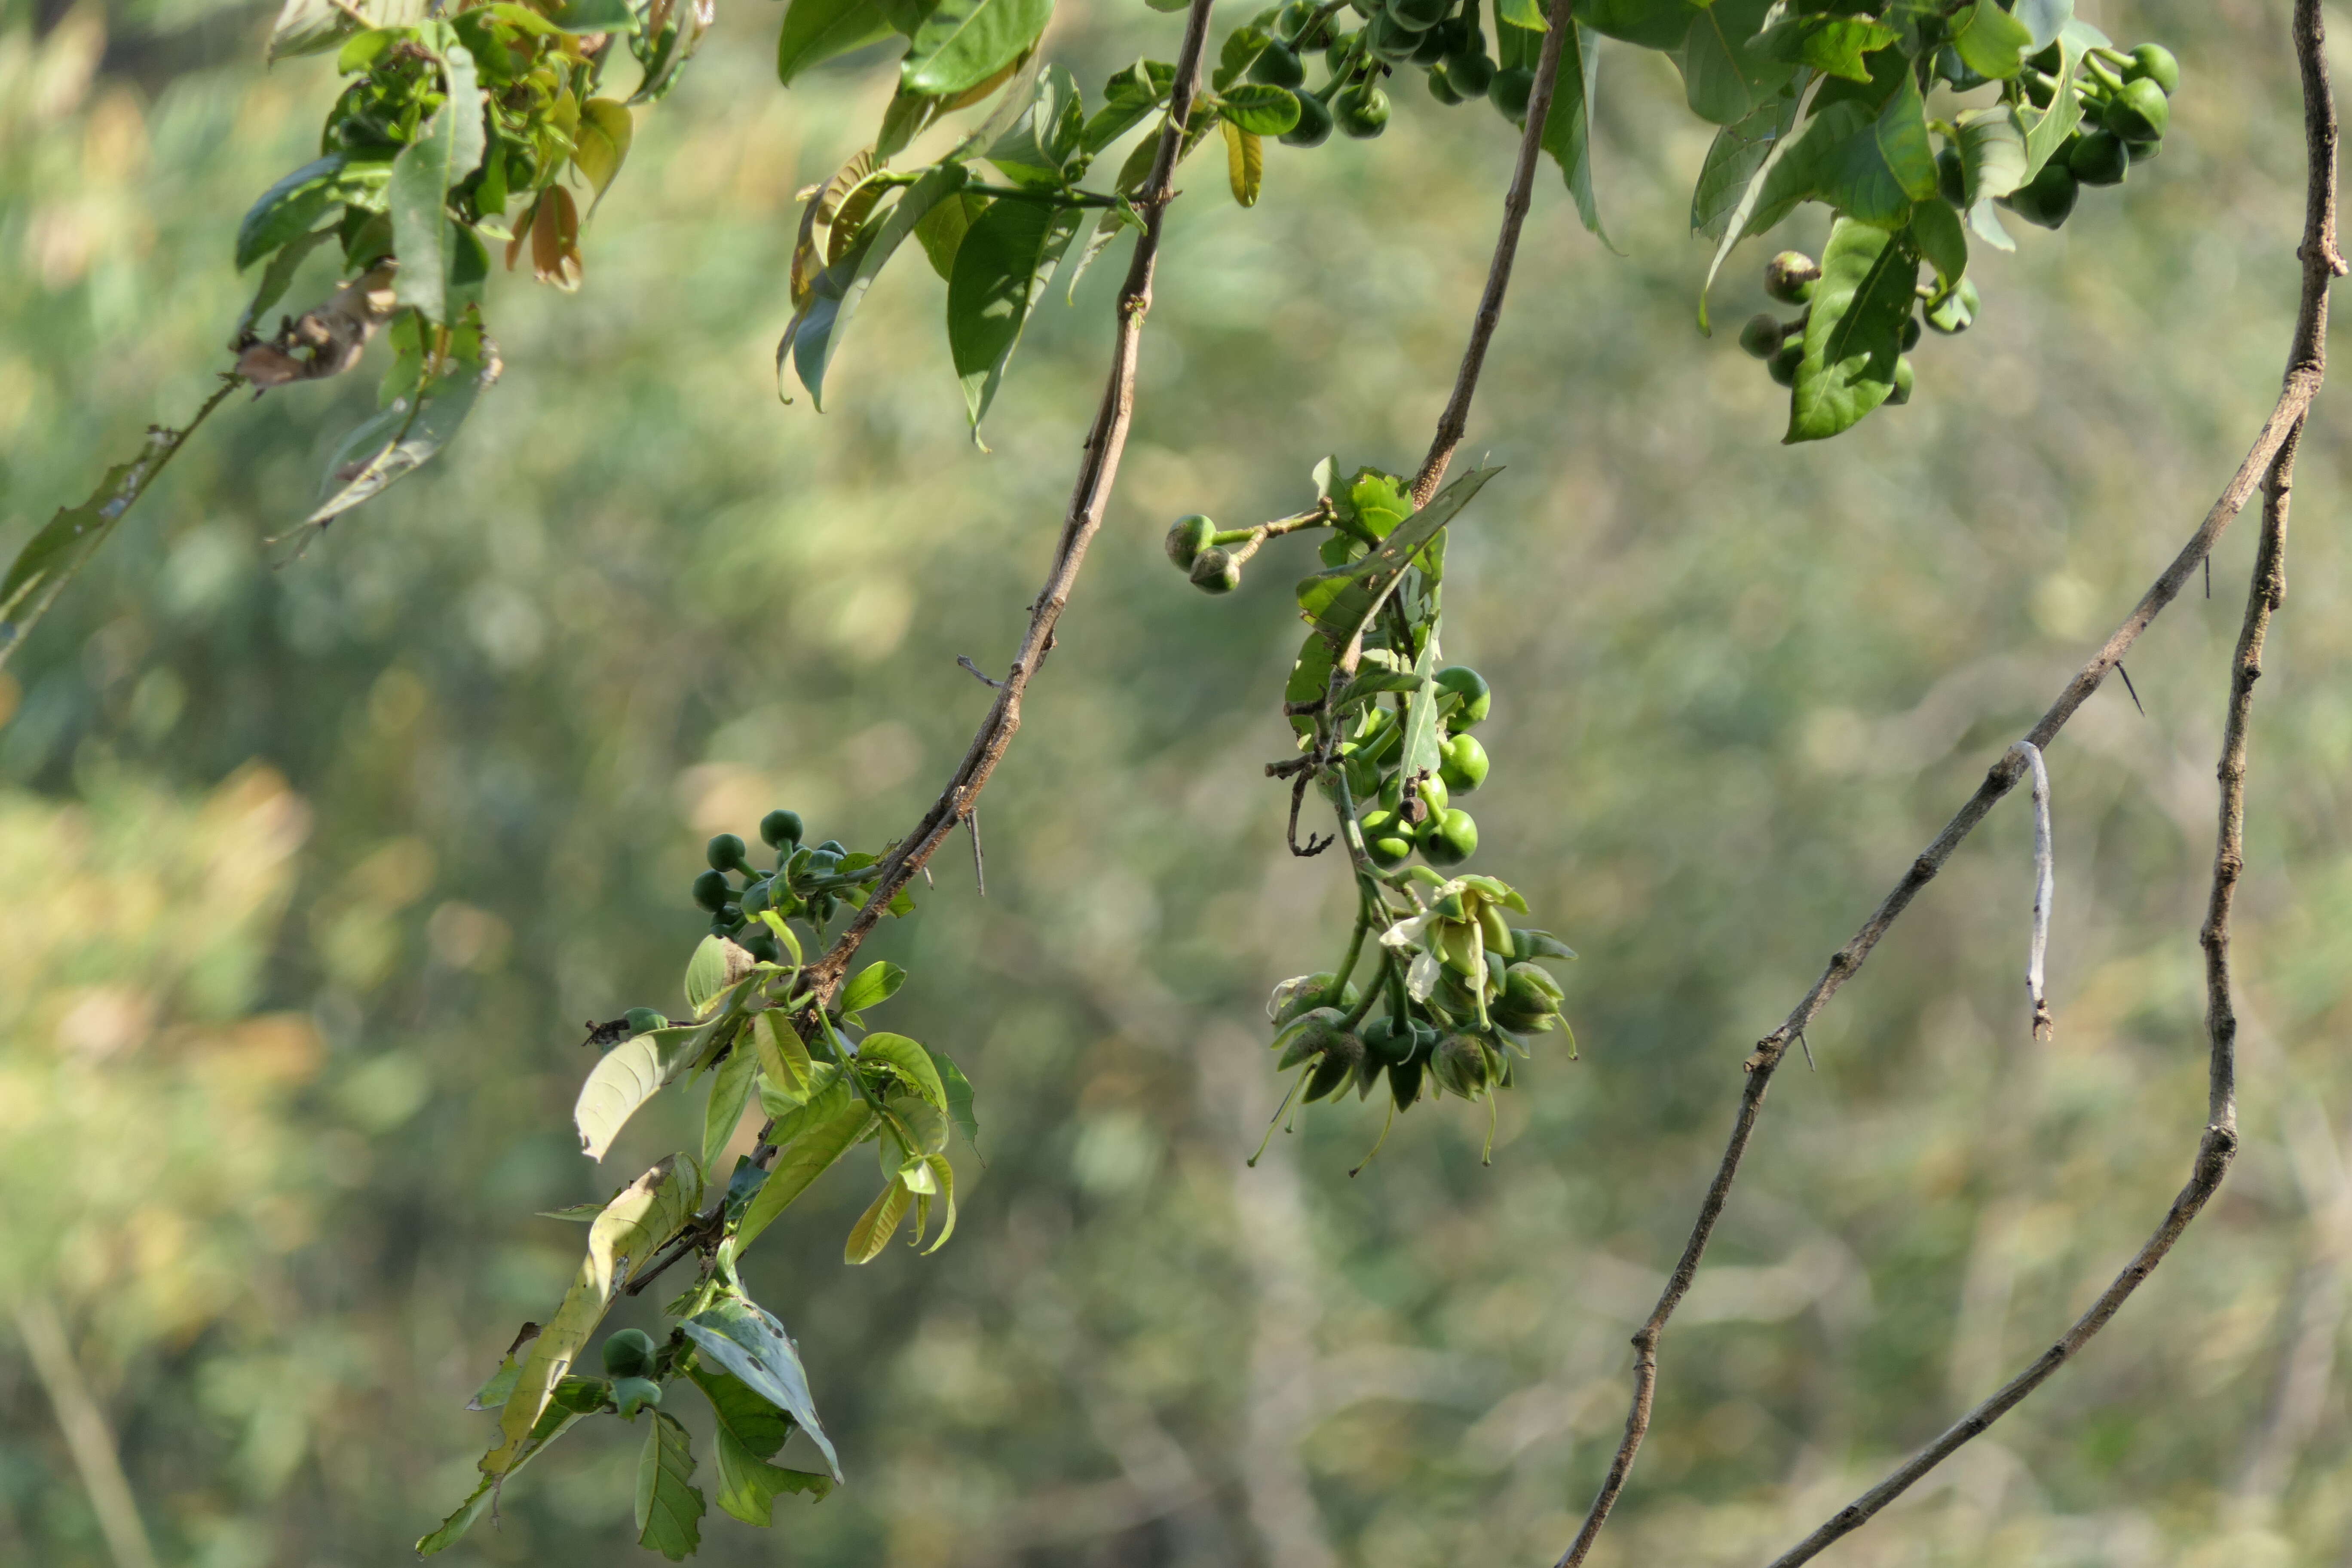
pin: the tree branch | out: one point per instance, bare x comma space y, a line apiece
1455, 419
2268, 463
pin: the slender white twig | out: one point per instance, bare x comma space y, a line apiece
2045, 887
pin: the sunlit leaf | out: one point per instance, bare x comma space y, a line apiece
748, 1341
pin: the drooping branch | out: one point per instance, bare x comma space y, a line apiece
2268, 465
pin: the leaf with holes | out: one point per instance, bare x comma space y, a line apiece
745, 1339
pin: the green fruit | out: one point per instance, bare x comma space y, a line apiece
1910, 333
1432, 791
2154, 62
1419, 15
1510, 89
1363, 777
2046, 198
755, 897
1789, 277
644, 1021
1434, 46
1215, 570
1342, 1054
1314, 127
629, 1352
1472, 74
2141, 151
1388, 1040
1320, 992
1387, 838
1449, 837
1782, 366
2139, 112
1952, 178
1277, 65
1461, 764
1187, 537
1440, 88
1904, 375
634, 1394
2099, 158
725, 853
1460, 1065
711, 891
1405, 1083
1335, 52
1528, 988
1477, 697
763, 946
1361, 110
1386, 40
780, 828
1293, 16
1761, 336
833, 846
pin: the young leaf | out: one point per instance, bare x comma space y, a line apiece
875, 983
1567, 129
962, 43
814, 337
1853, 335
1129, 99
1245, 163
943, 1175
646, 1213
877, 1224
601, 143
1000, 269
707, 973
395, 443
909, 1063
817, 30
444, 154
748, 1341
783, 1055
669, 1506
1041, 146
1338, 601
833, 1119
623, 1078
1258, 109
731, 1091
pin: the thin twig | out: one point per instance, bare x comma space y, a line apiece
2045, 888
1455, 419
979, 674
2307, 368
979, 862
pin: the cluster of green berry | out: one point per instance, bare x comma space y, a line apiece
1789, 277
809, 882
1400, 814
2127, 107
1442, 36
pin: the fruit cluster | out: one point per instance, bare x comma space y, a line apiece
1791, 276
809, 882
1403, 812
2127, 107
1442, 36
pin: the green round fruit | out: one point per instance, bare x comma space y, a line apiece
2047, 198
1387, 41
779, 828
1277, 65
1904, 377
1472, 74
1405, 1083
1951, 68
1335, 52
2141, 151
1321, 991
1952, 177
1361, 110
1508, 92
1419, 15
1477, 697
1388, 1041
1434, 46
1314, 127
1761, 336
1782, 366
1292, 18
628, 1353
1449, 837
725, 853
1214, 571
1363, 777
1440, 88
1789, 277
2139, 112
1431, 792
644, 1021
634, 1394
2099, 158
1187, 537
711, 891
2154, 62
1910, 333
1529, 989
1387, 838
1461, 764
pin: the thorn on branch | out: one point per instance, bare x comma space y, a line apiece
2130, 687
977, 674
979, 863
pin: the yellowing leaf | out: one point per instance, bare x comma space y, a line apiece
1245, 163
601, 143
875, 1227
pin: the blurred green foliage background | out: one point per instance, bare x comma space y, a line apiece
310, 868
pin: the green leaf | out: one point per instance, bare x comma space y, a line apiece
815, 336
962, 43
1835, 45
1240, 49
1001, 269
731, 1091
1733, 181
279, 276
1338, 601
669, 1506
1880, 176
1128, 98
1567, 129
553, 1423
1853, 334
2046, 130
391, 445
444, 153
1043, 143
817, 30
783, 1055
1992, 152
749, 1486
1653, 24
1722, 77
1936, 230
959, 1093
833, 1120
600, 144
747, 1341
875, 983
1245, 164
877, 1224
623, 1078
1310, 677
708, 972
313, 27
910, 1062
584, 17
1991, 41
1524, 14
2045, 20
497, 1388
1258, 109
1373, 683
288, 209
1420, 750
644, 1215
759, 1428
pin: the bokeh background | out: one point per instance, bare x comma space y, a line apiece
310, 868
